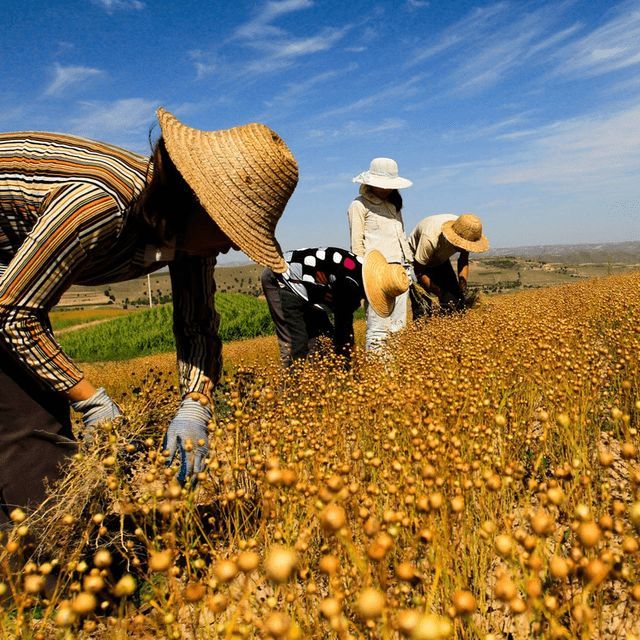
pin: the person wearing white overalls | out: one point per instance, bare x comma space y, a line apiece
375, 221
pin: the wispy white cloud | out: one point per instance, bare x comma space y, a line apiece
264, 66
204, 62
365, 35
11, 112
590, 150
294, 91
406, 89
260, 25
467, 29
477, 131
626, 86
111, 6
554, 39
521, 42
115, 120
66, 77
612, 46
64, 47
491, 42
415, 5
279, 48
434, 176
358, 128
531, 132
295, 47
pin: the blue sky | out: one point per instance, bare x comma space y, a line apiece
526, 113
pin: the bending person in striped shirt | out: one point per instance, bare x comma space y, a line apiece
75, 211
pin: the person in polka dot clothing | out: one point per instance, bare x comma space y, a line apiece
316, 281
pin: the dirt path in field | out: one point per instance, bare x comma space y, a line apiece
83, 325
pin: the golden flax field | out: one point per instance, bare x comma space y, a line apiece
480, 481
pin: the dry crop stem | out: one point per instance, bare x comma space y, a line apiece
480, 480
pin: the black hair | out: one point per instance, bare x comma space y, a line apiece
165, 204
395, 199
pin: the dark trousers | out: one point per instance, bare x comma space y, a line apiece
35, 438
451, 297
298, 322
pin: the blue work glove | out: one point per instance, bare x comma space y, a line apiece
98, 408
189, 426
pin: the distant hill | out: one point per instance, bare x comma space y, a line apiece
613, 252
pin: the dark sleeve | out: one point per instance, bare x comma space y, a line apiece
195, 324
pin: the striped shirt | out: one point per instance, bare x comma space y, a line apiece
65, 219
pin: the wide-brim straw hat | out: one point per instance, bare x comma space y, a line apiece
383, 173
383, 282
465, 232
243, 178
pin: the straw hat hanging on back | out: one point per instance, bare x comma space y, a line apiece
383, 282
383, 173
243, 178
466, 233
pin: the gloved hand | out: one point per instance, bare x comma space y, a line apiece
98, 408
189, 426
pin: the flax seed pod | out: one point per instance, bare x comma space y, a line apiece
589, 534
84, 603
248, 561
160, 561
370, 604
280, 563
464, 603
225, 570
333, 518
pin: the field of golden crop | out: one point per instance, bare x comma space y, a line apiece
481, 480
120, 376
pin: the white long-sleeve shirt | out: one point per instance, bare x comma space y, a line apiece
377, 224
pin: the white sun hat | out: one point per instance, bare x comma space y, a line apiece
383, 173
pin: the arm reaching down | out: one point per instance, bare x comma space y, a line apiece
199, 353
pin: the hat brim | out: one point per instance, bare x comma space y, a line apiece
218, 166
382, 182
372, 269
479, 246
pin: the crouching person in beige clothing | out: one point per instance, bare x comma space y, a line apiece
433, 242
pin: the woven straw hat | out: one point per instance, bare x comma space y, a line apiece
243, 177
383, 282
383, 173
465, 232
